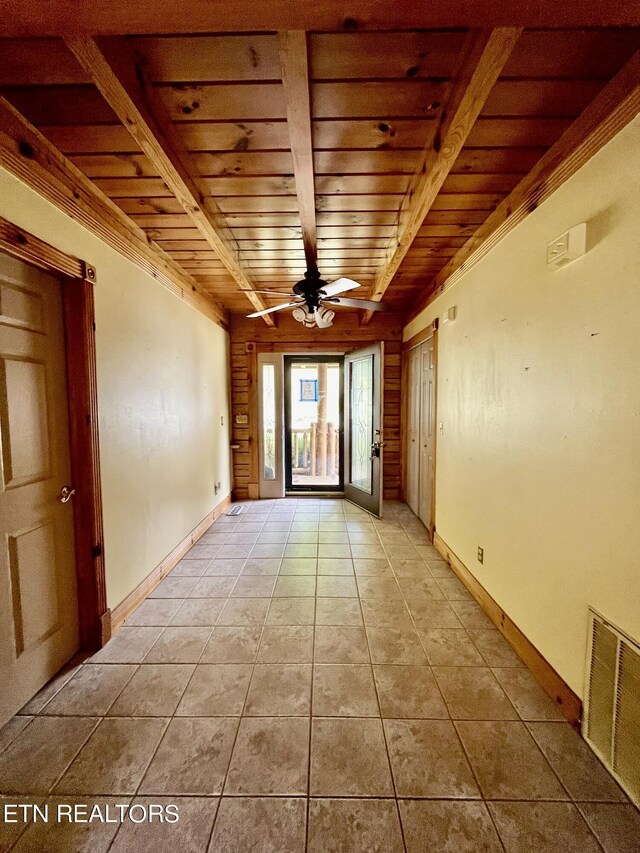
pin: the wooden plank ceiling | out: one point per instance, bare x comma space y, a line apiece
375, 100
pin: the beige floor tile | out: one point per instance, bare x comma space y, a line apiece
10, 731
198, 612
295, 566
267, 550
447, 826
154, 691
334, 551
286, 644
385, 588
189, 568
416, 589
271, 756
39, 756
179, 645
193, 756
408, 568
344, 690
292, 586
243, 612
257, 567
65, 836
450, 647
543, 827
471, 615
10, 831
428, 761
526, 695
340, 644
201, 552
440, 569
354, 826
308, 550
336, 586
257, 824
453, 589
114, 758
338, 611
279, 690
365, 537
378, 613
582, 774
254, 587
361, 551
232, 645
154, 612
91, 691
349, 758
225, 568
37, 703
372, 568
216, 690
617, 827
494, 648
433, 614
291, 611
507, 762
130, 645
335, 566
473, 693
190, 834
273, 537
395, 645
302, 537
174, 587
409, 692
213, 587
332, 537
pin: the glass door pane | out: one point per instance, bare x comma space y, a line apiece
362, 423
269, 421
313, 423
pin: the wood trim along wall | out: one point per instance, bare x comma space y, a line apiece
612, 109
146, 586
567, 701
77, 281
30, 157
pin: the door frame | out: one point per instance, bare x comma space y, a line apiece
431, 331
289, 486
77, 280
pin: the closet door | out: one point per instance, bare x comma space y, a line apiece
427, 433
413, 430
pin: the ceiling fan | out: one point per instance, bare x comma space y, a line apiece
311, 297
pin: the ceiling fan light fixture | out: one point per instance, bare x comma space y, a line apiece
324, 317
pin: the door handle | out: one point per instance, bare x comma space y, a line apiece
375, 449
66, 493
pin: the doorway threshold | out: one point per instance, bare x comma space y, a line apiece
306, 494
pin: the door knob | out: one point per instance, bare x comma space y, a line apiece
66, 493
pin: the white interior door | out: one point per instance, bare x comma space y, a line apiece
363, 444
38, 597
413, 430
427, 431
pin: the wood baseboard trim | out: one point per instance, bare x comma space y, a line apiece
567, 701
138, 595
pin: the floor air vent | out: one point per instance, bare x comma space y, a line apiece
612, 710
235, 510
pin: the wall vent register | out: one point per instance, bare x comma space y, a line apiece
612, 709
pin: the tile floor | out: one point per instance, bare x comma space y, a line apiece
308, 678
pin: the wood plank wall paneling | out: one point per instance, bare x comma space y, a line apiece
248, 338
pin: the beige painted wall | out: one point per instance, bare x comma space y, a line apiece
163, 389
539, 395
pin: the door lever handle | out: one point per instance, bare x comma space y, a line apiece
66, 493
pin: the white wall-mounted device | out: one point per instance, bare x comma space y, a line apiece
450, 314
568, 246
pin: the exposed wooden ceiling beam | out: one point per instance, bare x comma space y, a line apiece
612, 109
27, 154
122, 84
483, 59
60, 17
292, 46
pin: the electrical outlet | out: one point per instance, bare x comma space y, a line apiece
221, 420
480, 554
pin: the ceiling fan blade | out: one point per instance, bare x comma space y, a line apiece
365, 304
271, 310
340, 285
